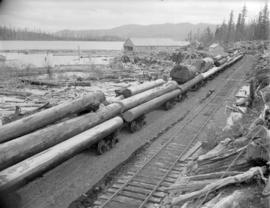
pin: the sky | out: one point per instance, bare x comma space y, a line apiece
53, 15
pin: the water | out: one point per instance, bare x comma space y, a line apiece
22, 60
61, 45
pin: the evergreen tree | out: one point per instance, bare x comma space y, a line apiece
238, 34
230, 31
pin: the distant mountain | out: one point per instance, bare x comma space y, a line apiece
176, 31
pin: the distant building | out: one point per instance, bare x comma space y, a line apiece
216, 49
152, 44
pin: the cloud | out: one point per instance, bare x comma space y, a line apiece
96, 14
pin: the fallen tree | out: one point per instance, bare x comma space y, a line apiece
49, 116
252, 172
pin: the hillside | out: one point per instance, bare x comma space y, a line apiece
176, 31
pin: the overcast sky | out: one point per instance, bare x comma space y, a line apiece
53, 15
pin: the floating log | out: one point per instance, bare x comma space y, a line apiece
25, 146
133, 90
48, 116
255, 171
143, 97
144, 108
22, 172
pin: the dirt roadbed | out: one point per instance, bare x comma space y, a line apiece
65, 183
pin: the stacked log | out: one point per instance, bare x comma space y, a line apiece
144, 108
20, 173
143, 97
29, 146
49, 116
133, 90
25, 146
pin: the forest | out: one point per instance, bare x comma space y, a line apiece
9, 33
241, 30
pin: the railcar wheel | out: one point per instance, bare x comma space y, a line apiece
102, 147
168, 105
195, 87
137, 124
133, 126
113, 142
179, 98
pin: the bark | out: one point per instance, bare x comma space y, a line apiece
144, 108
49, 116
143, 97
19, 174
133, 90
20, 148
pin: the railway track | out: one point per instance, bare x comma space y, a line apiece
143, 185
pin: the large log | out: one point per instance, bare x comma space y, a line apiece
252, 172
20, 173
183, 73
20, 148
188, 85
48, 116
143, 97
139, 110
133, 90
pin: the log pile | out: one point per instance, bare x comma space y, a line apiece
35, 143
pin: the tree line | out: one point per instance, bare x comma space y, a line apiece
241, 30
8, 33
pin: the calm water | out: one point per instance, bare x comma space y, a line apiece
61, 45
